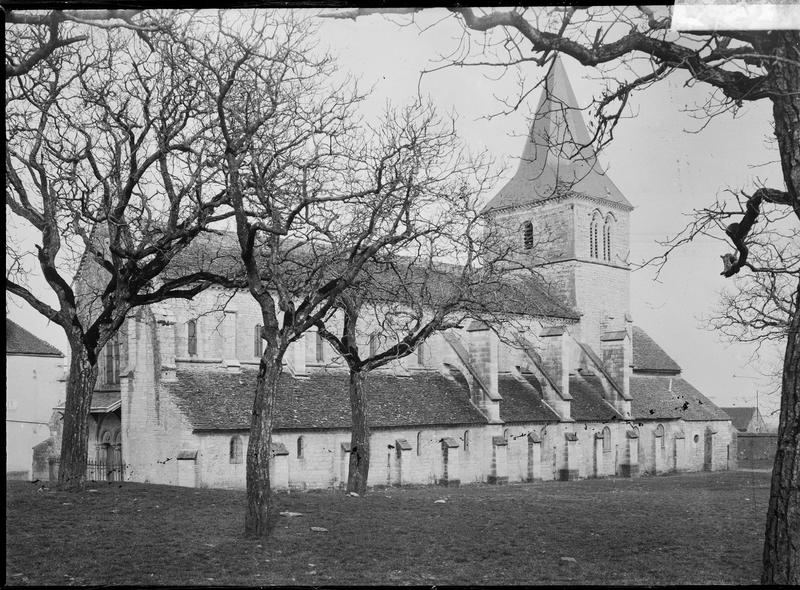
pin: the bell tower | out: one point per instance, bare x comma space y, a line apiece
565, 217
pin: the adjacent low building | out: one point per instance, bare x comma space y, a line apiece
34, 385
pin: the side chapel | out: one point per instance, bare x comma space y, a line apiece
585, 393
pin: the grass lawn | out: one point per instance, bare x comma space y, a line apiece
678, 529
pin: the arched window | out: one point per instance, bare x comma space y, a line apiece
300, 445
466, 440
505, 434
606, 440
660, 436
594, 235
419, 444
607, 239
112, 361
527, 235
236, 450
191, 337
319, 353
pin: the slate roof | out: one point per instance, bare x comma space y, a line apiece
547, 167
102, 402
214, 400
219, 254
653, 400
650, 357
21, 342
741, 417
522, 402
587, 400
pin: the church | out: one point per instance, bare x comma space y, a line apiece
583, 393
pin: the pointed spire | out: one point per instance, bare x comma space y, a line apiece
557, 158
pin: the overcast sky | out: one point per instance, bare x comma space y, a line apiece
656, 161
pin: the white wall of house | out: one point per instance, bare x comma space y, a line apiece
34, 386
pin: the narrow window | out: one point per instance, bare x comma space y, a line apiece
421, 354
112, 361
594, 246
373, 345
236, 450
419, 444
319, 351
505, 434
606, 440
109, 362
300, 444
191, 327
466, 440
607, 239
527, 235
258, 342
660, 436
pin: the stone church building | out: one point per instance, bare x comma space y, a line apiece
584, 392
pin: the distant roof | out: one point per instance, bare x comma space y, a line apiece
547, 167
21, 342
649, 357
587, 400
741, 417
215, 400
653, 400
522, 402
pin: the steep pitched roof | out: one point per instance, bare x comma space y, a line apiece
522, 402
587, 400
740, 417
219, 253
21, 342
557, 159
215, 400
649, 357
662, 397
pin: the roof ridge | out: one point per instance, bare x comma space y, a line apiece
20, 341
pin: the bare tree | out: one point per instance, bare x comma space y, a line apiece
400, 301
738, 66
315, 194
45, 34
423, 286
105, 164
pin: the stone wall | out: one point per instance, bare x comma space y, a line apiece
154, 431
531, 452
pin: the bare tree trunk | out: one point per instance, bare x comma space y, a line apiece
259, 519
75, 437
781, 560
782, 538
359, 454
